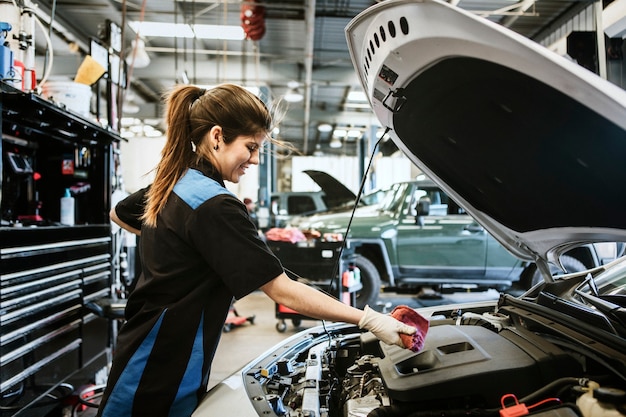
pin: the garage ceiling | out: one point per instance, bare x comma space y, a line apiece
314, 54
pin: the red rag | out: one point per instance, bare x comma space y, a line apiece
407, 315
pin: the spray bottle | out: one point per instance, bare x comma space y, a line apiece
67, 208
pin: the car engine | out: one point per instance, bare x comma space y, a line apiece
473, 364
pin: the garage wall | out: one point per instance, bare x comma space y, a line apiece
139, 156
385, 171
614, 26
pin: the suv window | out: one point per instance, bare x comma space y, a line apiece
393, 199
298, 204
438, 201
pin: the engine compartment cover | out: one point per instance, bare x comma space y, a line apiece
471, 361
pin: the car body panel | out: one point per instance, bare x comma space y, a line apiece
443, 248
288, 205
337, 194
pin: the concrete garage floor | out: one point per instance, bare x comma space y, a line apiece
244, 343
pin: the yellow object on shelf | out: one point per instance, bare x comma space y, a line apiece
89, 71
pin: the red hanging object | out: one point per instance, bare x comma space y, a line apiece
253, 20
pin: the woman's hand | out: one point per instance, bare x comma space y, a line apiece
385, 327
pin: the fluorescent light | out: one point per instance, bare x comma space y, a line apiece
356, 96
232, 33
253, 89
293, 96
128, 121
183, 30
158, 29
324, 127
335, 142
130, 107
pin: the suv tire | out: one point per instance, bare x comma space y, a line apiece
370, 279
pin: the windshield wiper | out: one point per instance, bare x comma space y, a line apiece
604, 304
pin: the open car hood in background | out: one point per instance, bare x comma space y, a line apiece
532, 145
337, 194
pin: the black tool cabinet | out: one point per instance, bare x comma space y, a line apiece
50, 343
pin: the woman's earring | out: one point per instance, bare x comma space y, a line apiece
193, 147
216, 147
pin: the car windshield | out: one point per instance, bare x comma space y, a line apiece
606, 294
612, 282
391, 201
375, 197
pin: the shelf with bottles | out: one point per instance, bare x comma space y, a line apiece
47, 150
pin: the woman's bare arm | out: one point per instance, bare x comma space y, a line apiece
310, 302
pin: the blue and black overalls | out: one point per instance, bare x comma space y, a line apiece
204, 252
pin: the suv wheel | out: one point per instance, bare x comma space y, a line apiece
370, 279
569, 263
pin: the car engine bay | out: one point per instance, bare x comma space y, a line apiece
509, 362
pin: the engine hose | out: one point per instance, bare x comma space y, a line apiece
489, 321
408, 410
478, 412
552, 387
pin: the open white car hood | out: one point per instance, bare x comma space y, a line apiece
532, 145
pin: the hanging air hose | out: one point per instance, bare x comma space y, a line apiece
253, 20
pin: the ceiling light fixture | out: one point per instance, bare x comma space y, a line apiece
340, 133
354, 133
137, 56
356, 100
293, 95
130, 107
357, 96
253, 89
183, 30
324, 127
318, 150
335, 142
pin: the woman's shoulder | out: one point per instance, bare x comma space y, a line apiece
195, 189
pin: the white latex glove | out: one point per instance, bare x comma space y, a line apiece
385, 327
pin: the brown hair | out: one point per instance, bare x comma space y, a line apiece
190, 113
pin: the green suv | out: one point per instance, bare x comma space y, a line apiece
417, 237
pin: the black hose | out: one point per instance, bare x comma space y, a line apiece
408, 410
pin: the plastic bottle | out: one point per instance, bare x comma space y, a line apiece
356, 275
67, 208
600, 402
346, 278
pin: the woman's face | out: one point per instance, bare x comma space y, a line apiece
234, 158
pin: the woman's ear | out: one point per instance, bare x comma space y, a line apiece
215, 135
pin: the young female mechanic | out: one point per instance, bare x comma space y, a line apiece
199, 250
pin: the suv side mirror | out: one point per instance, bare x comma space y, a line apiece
423, 209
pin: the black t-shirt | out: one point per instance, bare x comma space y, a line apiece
204, 252
130, 209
